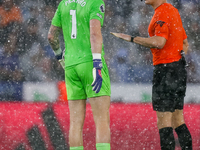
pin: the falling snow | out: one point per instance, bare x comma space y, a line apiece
27, 63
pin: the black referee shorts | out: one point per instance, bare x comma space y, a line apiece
169, 86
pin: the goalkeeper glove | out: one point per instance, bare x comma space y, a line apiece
60, 57
97, 77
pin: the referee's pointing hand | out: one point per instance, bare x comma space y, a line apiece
123, 36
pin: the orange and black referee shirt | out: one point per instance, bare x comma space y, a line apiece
166, 22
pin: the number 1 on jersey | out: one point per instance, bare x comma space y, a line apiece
74, 28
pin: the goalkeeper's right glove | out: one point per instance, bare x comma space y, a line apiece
97, 77
59, 54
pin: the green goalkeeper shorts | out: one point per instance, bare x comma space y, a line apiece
78, 79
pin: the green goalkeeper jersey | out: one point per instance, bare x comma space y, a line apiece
74, 16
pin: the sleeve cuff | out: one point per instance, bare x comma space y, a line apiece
96, 55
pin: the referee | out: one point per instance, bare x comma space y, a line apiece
168, 43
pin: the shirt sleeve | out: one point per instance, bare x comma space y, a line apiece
56, 21
97, 11
161, 29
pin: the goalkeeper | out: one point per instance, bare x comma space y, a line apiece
86, 73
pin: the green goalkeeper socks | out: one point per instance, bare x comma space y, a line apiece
103, 146
76, 148
99, 146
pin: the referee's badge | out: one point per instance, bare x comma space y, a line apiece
160, 23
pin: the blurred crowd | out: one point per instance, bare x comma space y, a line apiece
26, 55
24, 50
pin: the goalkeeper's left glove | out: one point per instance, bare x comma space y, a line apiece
97, 77
59, 54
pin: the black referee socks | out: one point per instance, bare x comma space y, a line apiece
167, 141
184, 137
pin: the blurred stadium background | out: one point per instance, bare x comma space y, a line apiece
32, 87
